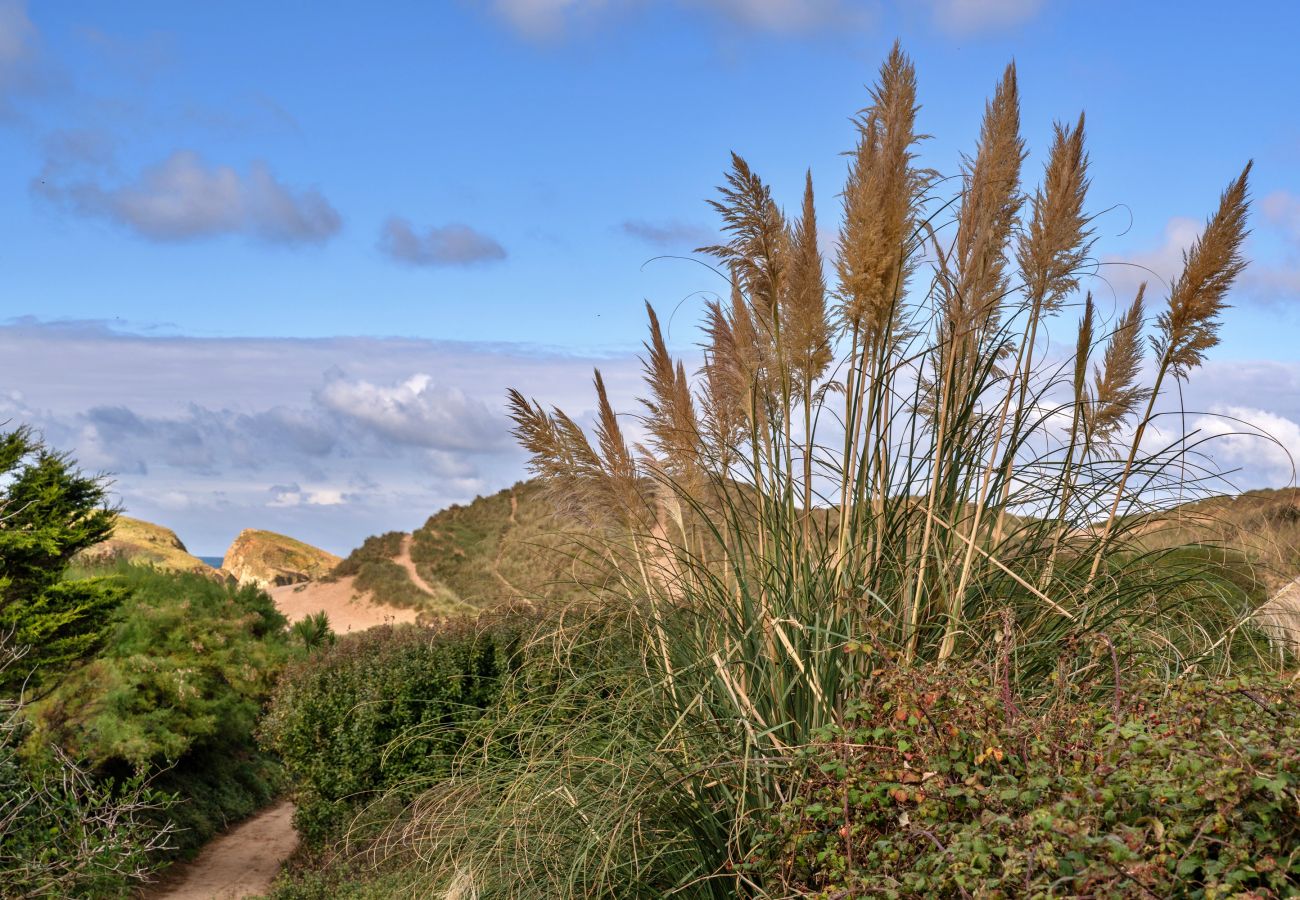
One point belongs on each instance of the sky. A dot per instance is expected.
(275, 265)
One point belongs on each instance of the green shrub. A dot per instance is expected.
(174, 695)
(379, 709)
(64, 833)
(938, 785)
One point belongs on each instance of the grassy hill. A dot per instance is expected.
(1262, 525)
(476, 555)
(137, 541)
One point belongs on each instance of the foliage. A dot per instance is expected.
(49, 510)
(938, 784)
(378, 709)
(313, 631)
(508, 546)
(384, 546)
(174, 694)
(64, 833)
(189, 663)
(377, 573)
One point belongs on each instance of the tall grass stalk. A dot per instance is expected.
(889, 471)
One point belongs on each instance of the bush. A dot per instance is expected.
(379, 709)
(937, 785)
(174, 695)
(62, 832)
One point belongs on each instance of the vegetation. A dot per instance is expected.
(174, 695)
(508, 546)
(513, 545)
(380, 710)
(49, 511)
(143, 543)
(376, 571)
(894, 462)
(64, 833)
(936, 785)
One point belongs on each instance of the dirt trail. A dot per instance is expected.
(240, 863)
(404, 560)
(347, 610)
(1281, 614)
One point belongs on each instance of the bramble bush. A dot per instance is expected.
(380, 709)
(938, 784)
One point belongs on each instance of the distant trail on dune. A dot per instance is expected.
(404, 560)
(240, 863)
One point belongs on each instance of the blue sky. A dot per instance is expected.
(184, 185)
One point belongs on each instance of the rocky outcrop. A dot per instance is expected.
(137, 541)
(268, 559)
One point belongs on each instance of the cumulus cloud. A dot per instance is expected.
(1158, 265)
(448, 245)
(672, 234)
(1255, 440)
(287, 495)
(551, 18)
(184, 198)
(967, 16)
(417, 411)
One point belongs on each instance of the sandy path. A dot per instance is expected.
(240, 863)
(404, 560)
(347, 610)
(1281, 614)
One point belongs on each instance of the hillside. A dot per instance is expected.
(137, 541)
(469, 556)
(269, 560)
(1263, 525)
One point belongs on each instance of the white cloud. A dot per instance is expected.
(290, 495)
(967, 16)
(1158, 265)
(551, 18)
(1261, 443)
(417, 411)
(329, 440)
(184, 197)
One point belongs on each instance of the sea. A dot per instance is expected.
(214, 561)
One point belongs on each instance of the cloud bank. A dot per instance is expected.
(330, 440)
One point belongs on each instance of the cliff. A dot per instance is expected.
(268, 559)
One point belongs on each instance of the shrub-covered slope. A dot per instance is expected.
(138, 541)
(493, 549)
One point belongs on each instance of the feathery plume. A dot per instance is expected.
(880, 202)
(1058, 240)
(1190, 324)
(1116, 393)
(991, 201)
(670, 412)
(758, 250)
(806, 331)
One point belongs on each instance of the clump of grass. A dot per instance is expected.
(890, 463)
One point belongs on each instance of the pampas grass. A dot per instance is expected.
(884, 471)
